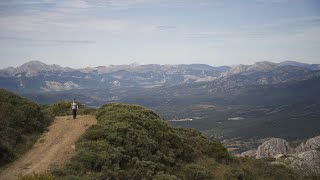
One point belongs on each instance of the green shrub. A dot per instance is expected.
(238, 174)
(219, 152)
(21, 121)
(197, 172)
(163, 176)
(130, 141)
(36, 176)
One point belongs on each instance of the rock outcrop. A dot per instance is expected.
(311, 144)
(250, 153)
(274, 147)
(307, 161)
(305, 157)
(56, 86)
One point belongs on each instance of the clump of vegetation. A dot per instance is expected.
(63, 108)
(130, 141)
(36, 176)
(248, 168)
(21, 121)
(296, 143)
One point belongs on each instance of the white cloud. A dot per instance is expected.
(58, 41)
(285, 27)
(73, 15)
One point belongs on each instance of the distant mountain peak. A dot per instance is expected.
(32, 68)
(265, 63)
(33, 62)
(36, 65)
(258, 66)
(265, 66)
(299, 64)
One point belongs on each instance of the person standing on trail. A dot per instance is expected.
(74, 108)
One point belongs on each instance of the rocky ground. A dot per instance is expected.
(305, 157)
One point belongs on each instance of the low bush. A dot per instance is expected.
(36, 176)
(21, 121)
(130, 141)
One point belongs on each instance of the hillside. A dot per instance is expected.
(52, 150)
(132, 142)
(21, 121)
(286, 110)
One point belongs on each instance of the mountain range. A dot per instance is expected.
(36, 76)
(223, 102)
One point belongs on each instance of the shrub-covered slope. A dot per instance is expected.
(20, 122)
(130, 141)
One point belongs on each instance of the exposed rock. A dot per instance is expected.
(311, 144)
(306, 157)
(272, 148)
(70, 85)
(250, 153)
(279, 156)
(307, 161)
(56, 86)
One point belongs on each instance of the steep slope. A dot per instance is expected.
(52, 150)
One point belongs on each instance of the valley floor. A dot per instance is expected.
(53, 149)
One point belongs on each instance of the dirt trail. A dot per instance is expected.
(53, 148)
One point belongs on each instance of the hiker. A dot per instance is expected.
(74, 108)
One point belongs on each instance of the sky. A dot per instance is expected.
(89, 33)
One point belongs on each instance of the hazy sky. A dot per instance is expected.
(79, 33)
